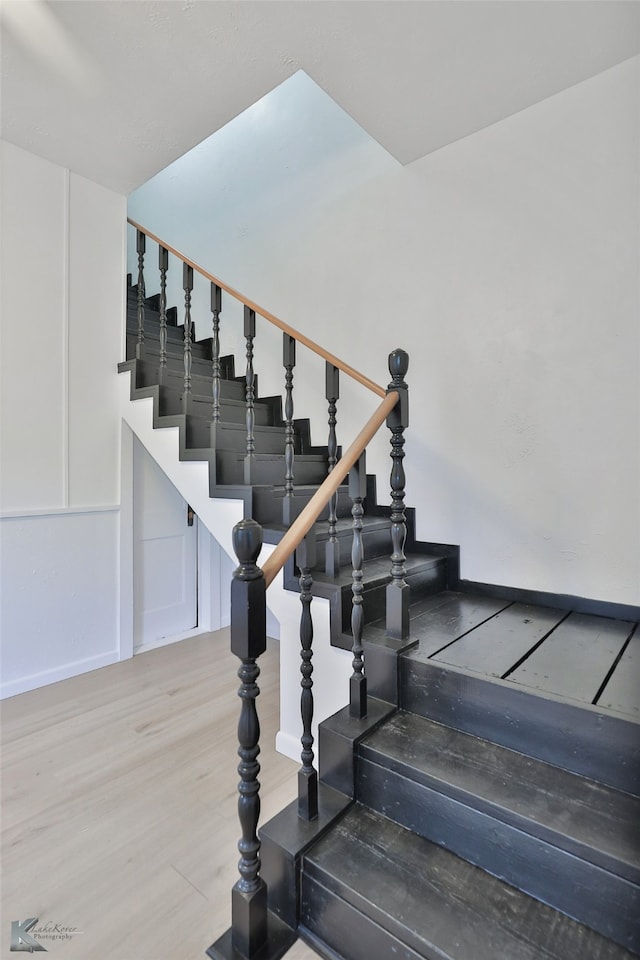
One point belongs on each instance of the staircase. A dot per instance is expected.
(485, 801)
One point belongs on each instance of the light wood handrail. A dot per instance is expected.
(299, 337)
(301, 526)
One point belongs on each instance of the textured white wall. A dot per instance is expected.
(62, 308)
(507, 265)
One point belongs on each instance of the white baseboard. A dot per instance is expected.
(165, 641)
(73, 669)
(288, 745)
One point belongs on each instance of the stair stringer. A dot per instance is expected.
(332, 667)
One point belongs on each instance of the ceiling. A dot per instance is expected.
(115, 91)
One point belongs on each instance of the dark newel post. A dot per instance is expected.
(332, 393)
(216, 307)
(398, 589)
(307, 775)
(187, 283)
(358, 682)
(248, 642)
(140, 247)
(249, 333)
(289, 361)
(163, 264)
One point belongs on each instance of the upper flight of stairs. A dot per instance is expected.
(486, 808)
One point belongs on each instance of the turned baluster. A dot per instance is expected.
(398, 589)
(248, 642)
(307, 775)
(187, 283)
(358, 681)
(249, 333)
(140, 247)
(332, 393)
(289, 362)
(163, 264)
(216, 307)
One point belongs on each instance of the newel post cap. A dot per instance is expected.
(398, 364)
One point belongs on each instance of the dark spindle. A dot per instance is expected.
(216, 307)
(163, 264)
(358, 682)
(332, 393)
(187, 283)
(140, 247)
(249, 333)
(307, 775)
(398, 589)
(248, 642)
(289, 361)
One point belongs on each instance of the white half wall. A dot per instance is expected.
(59, 611)
(62, 327)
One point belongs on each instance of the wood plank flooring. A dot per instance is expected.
(119, 803)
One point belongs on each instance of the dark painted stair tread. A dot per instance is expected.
(586, 818)
(574, 661)
(377, 570)
(438, 905)
(622, 692)
(494, 647)
(438, 621)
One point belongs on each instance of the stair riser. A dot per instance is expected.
(267, 504)
(147, 375)
(581, 889)
(200, 349)
(347, 932)
(234, 412)
(230, 470)
(232, 442)
(376, 543)
(602, 747)
(200, 365)
(175, 331)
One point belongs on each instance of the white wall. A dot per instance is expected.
(507, 265)
(62, 308)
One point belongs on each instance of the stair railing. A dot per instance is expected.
(291, 337)
(255, 931)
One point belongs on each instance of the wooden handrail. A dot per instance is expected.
(299, 337)
(301, 526)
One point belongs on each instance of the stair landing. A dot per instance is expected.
(583, 658)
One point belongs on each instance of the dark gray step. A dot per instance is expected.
(232, 438)
(200, 349)
(452, 675)
(148, 373)
(424, 574)
(267, 502)
(151, 328)
(268, 468)
(231, 411)
(372, 889)
(376, 540)
(568, 841)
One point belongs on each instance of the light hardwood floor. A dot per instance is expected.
(119, 803)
